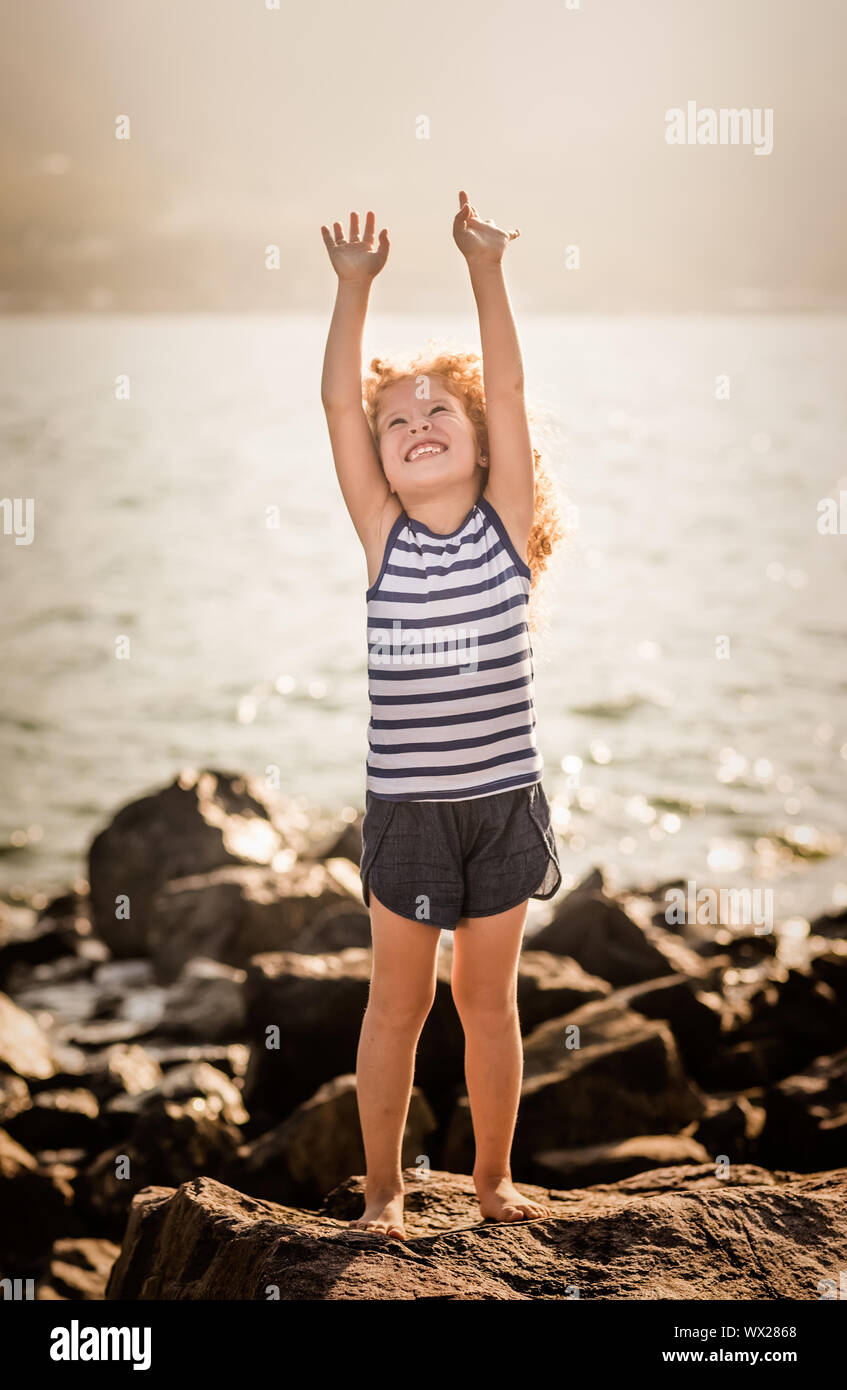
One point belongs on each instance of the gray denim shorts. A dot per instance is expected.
(438, 861)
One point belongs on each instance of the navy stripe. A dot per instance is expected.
(449, 547)
(496, 663)
(456, 619)
(439, 595)
(454, 769)
(482, 638)
(450, 744)
(521, 780)
(438, 696)
(471, 564)
(445, 720)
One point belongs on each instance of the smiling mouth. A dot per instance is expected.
(424, 450)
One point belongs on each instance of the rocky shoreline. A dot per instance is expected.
(177, 1046)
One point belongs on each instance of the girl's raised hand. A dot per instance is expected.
(355, 258)
(479, 240)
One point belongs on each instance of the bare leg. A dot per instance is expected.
(403, 979)
(485, 968)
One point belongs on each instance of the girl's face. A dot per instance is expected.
(426, 444)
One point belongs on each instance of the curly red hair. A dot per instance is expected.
(461, 372)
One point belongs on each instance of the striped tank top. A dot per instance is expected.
(450, 668)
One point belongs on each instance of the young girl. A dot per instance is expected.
(456, 518)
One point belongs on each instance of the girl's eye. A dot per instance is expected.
(398, 421)
(437, 407)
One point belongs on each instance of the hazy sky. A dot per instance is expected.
(251, 125)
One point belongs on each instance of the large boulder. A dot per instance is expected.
(305, 1016)
(631, 1085)
(806, 1124)
(36, 1206)
(202, 821)
(335, 927)
(801, 1008)
(169, 1142)
(60, 1119)
(550, 985)
(206, 1002)
(730, 1128)
(670, 1234)
(234, 913)
(695, 1016)
(619, 1158)
(608, 943)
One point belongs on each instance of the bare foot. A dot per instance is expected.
(383, 1215)
(500, 1200)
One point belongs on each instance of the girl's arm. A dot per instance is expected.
(511, 466)
(363, 483)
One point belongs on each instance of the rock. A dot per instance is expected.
(806, 1124)
(207, 1001)
(202, 821)
(90, 1002)
(168, 1143)
(304, 1015)
(744, 951)
(830, 924)
(608, 1163)
(36, 1207)
(347, 842)
(317, 1004)
(631, 1085)
(831, 967)
(592, 883)
(62, 1118)
(742, 1066)
(230, 1058)
(334, 929)
(607, 943)
(677, 1234)
(550, 1044)
(24, 1046)
(57, 933)
(730, 1128)
(319, 1145)
(695, 1016)
(232, 914)
(14, 1096)
(123, 1068)
(550, 986)
(78, 1269)
(195, 1083)
(788, 1022)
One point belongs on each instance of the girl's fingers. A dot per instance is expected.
(354, 226)
(370, 224)
(339, 233)
(328, 241)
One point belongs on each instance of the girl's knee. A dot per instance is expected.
(485, 1010)
(401, 1012)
